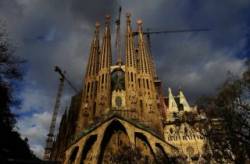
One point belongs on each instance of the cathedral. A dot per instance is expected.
(122, 114)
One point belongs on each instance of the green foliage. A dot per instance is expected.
(231, 103)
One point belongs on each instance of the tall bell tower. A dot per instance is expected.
(104, 75)
(89, 91)
(146, 88)
(131, 70)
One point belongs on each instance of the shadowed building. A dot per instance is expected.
(122, 108)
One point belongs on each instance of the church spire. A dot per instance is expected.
(105, 57)
(144, 58)
(104, 76)
(146, 64)
(172, 105)
(89, 90)
(130, 56)
(131, 68)
(118, 38)
(92, 67)
(184, 101)
(146, 88)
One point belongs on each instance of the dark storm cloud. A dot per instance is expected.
(196, 62)
(93, 10)
(53, 32)
(48, 33)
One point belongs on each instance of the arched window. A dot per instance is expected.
(141, 104)
(147, 84)
(102, 78)
(88, 86)
(185, 129)
(171, 130)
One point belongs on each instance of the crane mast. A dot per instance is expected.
(50, 139)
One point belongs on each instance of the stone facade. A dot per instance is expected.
(123, 107)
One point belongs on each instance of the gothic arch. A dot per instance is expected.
(73, 154)
(143, 138)
(87, 148)
(111, 129)
(162, 157)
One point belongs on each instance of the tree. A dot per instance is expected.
(11, 144)
(8, 71)
(232, 104)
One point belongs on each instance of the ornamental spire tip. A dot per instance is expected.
(128, 14)
(139, 22)
(97, 25)
(108, 17)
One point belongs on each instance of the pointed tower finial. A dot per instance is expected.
(128, 15)
(139, 23)
(108, 17)
(184, 101)
(97, 25)
(172, 106)
(169, 90)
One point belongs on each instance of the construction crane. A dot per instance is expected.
(149, 32)
(50, 139)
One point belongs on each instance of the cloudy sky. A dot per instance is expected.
(58, 32)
